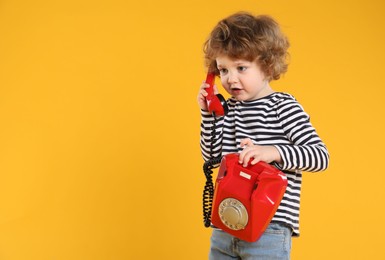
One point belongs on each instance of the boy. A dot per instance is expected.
(247, 52)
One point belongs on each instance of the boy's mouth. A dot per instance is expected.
(236, 90)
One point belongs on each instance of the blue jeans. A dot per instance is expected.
(275, 243)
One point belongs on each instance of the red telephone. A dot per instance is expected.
(246, 198)
(216, 104)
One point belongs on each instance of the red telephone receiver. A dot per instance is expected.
(246, 198)
(216, 104)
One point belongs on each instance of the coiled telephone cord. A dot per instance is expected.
(208, 191)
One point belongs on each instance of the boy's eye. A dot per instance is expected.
(242, 68)
(223, 71)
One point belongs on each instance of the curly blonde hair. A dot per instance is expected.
(252, 38)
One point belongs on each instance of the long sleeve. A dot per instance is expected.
(307, 151)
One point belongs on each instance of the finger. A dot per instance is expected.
(244, 152)
(245, 156)
(246, 142)
(246, 159)
(254, 161)
(251, 158)
(204, 85)
(201, 97)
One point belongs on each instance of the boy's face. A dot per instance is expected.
(242, 79)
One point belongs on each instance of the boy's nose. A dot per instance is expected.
(232, 78)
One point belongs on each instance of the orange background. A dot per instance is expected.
(99, 126)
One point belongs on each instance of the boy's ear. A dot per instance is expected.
(269, 74)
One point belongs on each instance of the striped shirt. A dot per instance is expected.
(278, 120)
